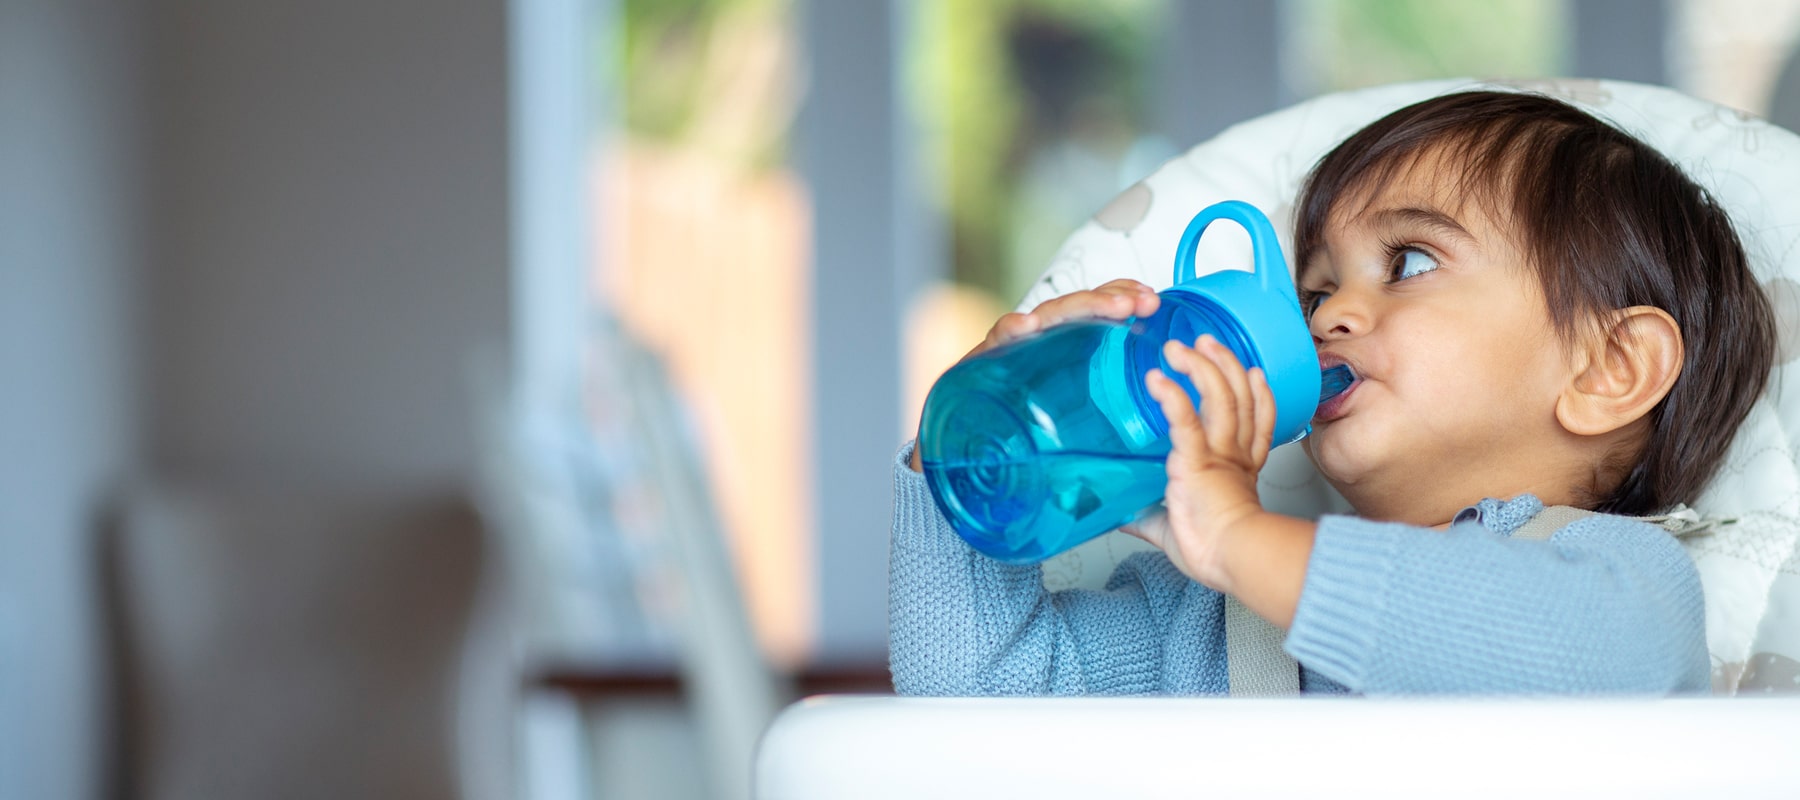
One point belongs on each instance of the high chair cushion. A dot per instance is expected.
(1750, 569)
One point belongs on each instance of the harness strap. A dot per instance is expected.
(1681, 522)
(1257, 665)
(1549, 521)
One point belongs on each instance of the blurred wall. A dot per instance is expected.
(70, 258)
(262, 240)
(331, 212)
(861, 221)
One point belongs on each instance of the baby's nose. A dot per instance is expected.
(1329, 321)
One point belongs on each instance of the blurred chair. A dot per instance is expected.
(286, 645)
(666, 649)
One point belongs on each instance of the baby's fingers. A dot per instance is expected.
(1008, 328)
(1244, 401)
(1265, 417)
(1218, 404)
(1113, 300)
(1186, 439)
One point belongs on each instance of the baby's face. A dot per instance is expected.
(1431, 302)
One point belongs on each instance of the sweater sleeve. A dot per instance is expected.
(1606, 605)
(961, 623)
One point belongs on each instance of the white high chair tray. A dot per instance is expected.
(871, 748)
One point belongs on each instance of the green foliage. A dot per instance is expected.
(661, 62)
(1354, 43)
(667, 58)
(966, 91)
(977, 111)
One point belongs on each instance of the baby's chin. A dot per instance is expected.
(1341, 466)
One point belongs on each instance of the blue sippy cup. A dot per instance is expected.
(1039, 445)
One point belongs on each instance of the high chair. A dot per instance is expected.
(1092, 747)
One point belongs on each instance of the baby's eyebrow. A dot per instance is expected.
(1410, 215)
(1303, 266)
(1427, 217)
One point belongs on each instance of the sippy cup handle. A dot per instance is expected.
(1266, 250)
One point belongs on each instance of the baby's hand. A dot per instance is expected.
(1214, 457)
(1120, 299)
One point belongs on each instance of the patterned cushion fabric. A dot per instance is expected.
(1751, 569)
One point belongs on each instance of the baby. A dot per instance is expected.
(1539, 310)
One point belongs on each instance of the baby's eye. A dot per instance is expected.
(1409, 262)
(1310, 301)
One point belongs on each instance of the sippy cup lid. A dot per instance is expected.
(1260, 312)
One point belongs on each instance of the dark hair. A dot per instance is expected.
(1607, 222)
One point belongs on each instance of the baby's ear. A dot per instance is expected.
(1625, 369)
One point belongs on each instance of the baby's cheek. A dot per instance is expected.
(1454, 384)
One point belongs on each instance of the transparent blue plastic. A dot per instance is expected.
(1037, 446)
(1334, 382)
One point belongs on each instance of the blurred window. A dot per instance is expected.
(1040, 111)
(702, 256)
(1733, 52)
(1349, 44)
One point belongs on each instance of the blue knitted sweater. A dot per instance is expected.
(1607, 604)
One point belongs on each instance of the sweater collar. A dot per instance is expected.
(1501, 516)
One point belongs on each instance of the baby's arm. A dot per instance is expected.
(1215, 528)
(1606, 605)
(961, 623)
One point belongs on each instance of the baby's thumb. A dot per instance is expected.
(1151, 525)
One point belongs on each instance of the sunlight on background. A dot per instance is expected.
(1731, 51)
(704, 256)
